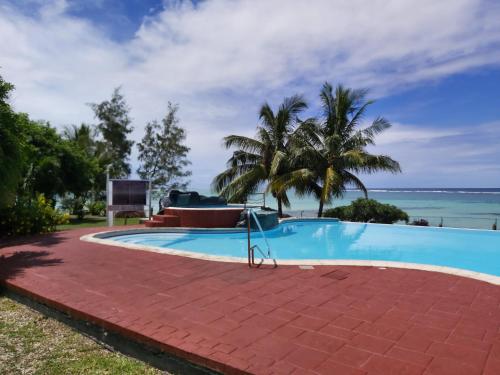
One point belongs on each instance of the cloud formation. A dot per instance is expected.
(221, 59)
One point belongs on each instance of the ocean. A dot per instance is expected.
(456, 207)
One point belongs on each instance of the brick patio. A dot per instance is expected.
(328, 320)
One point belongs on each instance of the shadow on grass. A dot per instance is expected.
(14, 264)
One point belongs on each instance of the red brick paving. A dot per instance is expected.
(328, 320)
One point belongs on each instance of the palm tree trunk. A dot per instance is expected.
(320, 210)
(280, 207)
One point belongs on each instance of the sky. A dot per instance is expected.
(433, 68)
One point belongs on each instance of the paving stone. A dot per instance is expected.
(351, 356)
(380, 365)
(282, 321)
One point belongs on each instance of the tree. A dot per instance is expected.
(326, 157)
(12, 144)
(84, 137)
(114, 125)
(55, 166)
(261, 159)
(368, 211)
(162, 154)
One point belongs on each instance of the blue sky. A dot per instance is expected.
(433, 67)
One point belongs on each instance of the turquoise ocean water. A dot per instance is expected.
(458, 207)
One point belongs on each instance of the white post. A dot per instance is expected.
(109, 198)
(150, 208)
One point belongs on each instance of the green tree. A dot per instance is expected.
(55, 166)
(368, 211)
(163, 154)
(12, 144)
(85, 138)
(261, 159)
(115, 125)
(327, 157)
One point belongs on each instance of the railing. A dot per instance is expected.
(473, 222)
(256, 199)
(459, 221)
(251, 249)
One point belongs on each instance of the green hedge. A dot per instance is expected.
(368, 211)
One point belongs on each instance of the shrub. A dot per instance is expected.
(74, 205)
(97, 208)
(420, 223)
(368, 211)
(30, 216)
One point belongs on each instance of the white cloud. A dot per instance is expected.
(456, 157)
(221, 59)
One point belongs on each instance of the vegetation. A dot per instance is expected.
(11, 148)
(327, 155)
(115, 125)
(86, 139)
(261, 159)
(318, 157)
(163, 155)
(30, 343)
(368, 211)
(90, 221)
(55, 167)
(97, 208)
(40, 166)
(75, 206)
(420, 223)
(30, 216)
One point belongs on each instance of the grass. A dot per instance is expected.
(31, 343)
(94, 221)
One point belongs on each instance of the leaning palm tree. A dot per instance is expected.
(327, 156)
(257, 161)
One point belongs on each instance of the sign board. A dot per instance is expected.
(127, 195)
(130, 192)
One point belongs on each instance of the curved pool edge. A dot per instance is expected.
(105, 235)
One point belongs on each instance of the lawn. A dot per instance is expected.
(31, 343)
(94, 221)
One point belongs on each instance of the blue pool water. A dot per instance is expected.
(475, 250)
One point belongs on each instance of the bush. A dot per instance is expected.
(30, 216)
(97, 208)
(74, 205)
(420, 223)
(368, 211)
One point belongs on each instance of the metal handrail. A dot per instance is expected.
(251, 249)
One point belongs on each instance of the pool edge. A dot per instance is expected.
(92, 237)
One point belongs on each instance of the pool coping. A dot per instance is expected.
(102, 238)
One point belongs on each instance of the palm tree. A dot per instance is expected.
(259, 160)
(326, 157)
(84, 137)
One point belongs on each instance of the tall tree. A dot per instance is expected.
(55, 165)
(11, 147)
(84, 137)
(163, 154)
(115, 125)
(261, 159)
(328, 156)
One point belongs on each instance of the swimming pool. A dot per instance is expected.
(301, 240)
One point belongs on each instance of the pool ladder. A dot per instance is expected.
(252, 248)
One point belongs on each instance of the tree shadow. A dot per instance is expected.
(47, 240)
(14, 264)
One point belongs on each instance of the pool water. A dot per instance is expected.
(475, 250)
